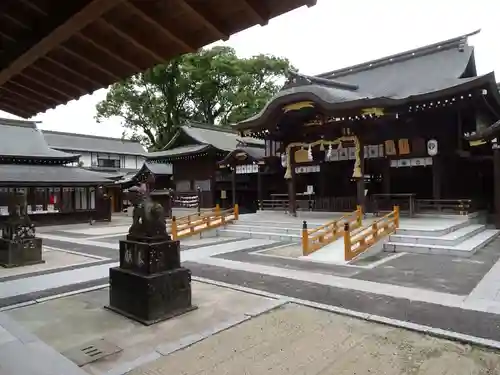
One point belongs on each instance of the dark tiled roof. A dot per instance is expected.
(23, 139)
(92, 143)
(159, 168)
(254, 153)
(40, 174)
(178, 151)
(403, 74)
(224, 139)
(424, 73)
(220, 138)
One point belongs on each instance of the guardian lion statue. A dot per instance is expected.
(148, 217)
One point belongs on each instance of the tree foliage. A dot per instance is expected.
(212, 86)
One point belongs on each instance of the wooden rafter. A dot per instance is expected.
(161, 29)
(89, 62)
(36, 89)
(13, 110)
(62, 33)
(21, 106)
(84, 77)
(216, 30)
(131, 40)
(106, 50)
(57, 78)
(257, 11)
(86, 40)
(36, 78)
(24, 97)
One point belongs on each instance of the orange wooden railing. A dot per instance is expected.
(316, 238)
(196, 223)
(357, 242)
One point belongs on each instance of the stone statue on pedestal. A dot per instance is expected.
(18, 245)
(149, 285)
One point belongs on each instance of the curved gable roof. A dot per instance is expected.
(23, 139)
(92, 143)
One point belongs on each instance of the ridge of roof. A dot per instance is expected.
(79, 135)
(215, 128)
(92, 143)
(20, 123)
(298, 79)
(402, 56)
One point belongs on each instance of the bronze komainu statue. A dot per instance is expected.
(148, 218)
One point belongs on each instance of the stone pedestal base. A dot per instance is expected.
(20, 252)
(152, 298)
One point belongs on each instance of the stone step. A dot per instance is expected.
(228, 232)
(424, 230)
(264, 228)
(282, 224)
(463, 249)
(452, 238)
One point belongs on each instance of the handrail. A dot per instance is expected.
(462, 206)
(184, 226)
(315, 238)
(358, 242)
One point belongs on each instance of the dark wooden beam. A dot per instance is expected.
(79, 20)
(80, 90)
(90, 62)
(39, 89)
(148, 18)
(118, 47)
(56, 77)
(50, 83)
(23, 99)
(260, 15)
(137, 44)
(7, 99)
(202, 18)
(27, 92)
(91, 55)
(13, 110)
(55, 67)
(106, 50)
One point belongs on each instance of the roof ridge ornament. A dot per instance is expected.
(297, 79)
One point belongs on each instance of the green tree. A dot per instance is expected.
(212, 86)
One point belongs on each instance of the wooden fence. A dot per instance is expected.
(357, 242)
(199, 222)
(316, 238)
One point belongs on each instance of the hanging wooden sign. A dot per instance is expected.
(390, 147)
(404, 147)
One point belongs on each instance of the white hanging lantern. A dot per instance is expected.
(309, 153)
(329, 152)
(283, 159)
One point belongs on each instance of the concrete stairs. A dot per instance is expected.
(264, 228)
(460, 239)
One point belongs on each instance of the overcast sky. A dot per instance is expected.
(331, 35)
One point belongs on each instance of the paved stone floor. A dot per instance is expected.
(300, 340)
(443, 295)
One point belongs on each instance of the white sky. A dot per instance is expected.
(331, 35)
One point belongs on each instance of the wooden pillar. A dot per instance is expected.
(259, 188)
(386, 176)
(233, 185)
(496, 185)
(360, 184)
(436, 177)
(292, 203)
